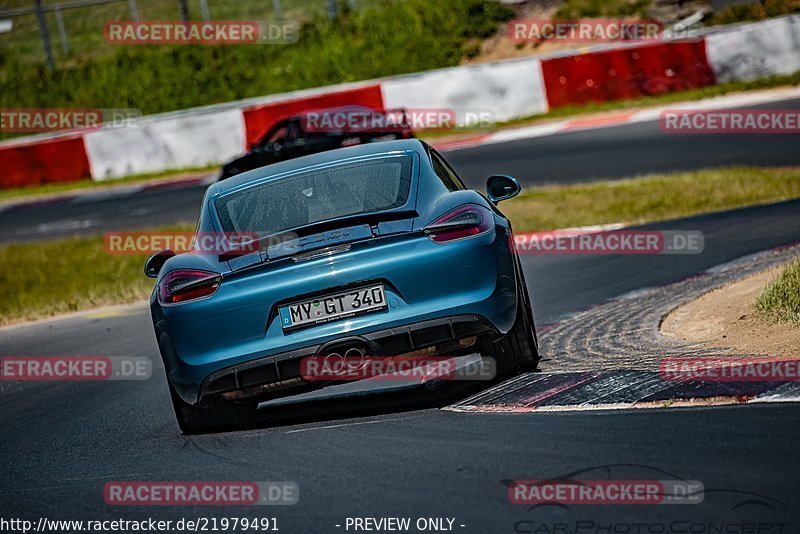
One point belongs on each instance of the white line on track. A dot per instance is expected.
(347, 424)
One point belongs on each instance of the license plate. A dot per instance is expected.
(333, 307)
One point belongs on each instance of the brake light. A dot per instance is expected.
(184, 284)
(464, 221)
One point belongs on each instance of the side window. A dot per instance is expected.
(445, 173)
(294, 132)
(276, 135)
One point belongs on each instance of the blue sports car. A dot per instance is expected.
(377, 250)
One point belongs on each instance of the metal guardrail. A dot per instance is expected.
(58, 7)
(39, 9)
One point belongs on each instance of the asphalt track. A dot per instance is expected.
(603, 153)
(623, 151)
(64, 441)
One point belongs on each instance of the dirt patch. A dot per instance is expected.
(727, 318)
(501, 46)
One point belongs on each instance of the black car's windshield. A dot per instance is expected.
(310, 197)
(277, 135)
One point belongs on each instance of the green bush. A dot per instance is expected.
(576, 9)
(780, 301)
(758, 11)
(392, 37)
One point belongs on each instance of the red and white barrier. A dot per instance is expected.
(756, 50)
(43, 161)
(629, 72)
(155, 144)
(507, 89)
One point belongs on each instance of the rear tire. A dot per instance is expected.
(518, 350)
(213, 414)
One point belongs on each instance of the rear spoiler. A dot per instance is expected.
(265, 242)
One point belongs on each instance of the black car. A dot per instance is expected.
(318, 131)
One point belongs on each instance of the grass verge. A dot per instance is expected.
(780, 301)
(650, 198)
(51, 278)
(68, 275)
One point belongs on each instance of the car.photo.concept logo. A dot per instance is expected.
(621, 499)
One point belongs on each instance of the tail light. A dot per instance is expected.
(465, 221)
(184, 284)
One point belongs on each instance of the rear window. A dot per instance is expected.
(340, 191)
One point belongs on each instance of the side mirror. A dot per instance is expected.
(502, 187)
(155, 262)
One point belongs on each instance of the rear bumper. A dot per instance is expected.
(389, 342)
